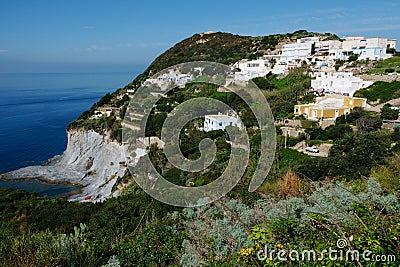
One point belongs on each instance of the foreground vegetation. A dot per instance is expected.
(135, 230)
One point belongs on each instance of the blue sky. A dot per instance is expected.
(90, 36)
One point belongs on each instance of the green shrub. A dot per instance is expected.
(389, 70)
(316, 133)
(389, 114)
(335, 132)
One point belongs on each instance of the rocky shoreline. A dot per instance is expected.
(91, 160)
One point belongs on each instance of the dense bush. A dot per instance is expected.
(338, 131)
(264, 83)
(351, 156)
(396, 134)
(382, 91)
(316, 133)
(389, 114)
(367, 124)
(352, 117)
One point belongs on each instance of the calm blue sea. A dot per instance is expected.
(35, 110)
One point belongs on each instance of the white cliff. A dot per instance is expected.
(91, 160)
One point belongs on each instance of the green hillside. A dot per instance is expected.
(225, 48)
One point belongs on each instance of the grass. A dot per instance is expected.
(290, 158)
(388, 175)
(385, 66)
(307, 124)
(280, 84)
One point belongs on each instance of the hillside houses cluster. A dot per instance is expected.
(319, 53)
(312, 47)
(337, 88)
(171, 77)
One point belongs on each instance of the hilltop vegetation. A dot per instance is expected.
(225, 48)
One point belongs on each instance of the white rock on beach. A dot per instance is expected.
(91, 160)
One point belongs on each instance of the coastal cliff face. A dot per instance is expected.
(91, 160)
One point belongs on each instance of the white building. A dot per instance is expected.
(250, 69)
(219, 122)
(310, 47)
(280, 68)
(366, 48)
(303, 48)
(325, 48)
(166, 79)
(343, 83)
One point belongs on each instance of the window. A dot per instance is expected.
(297, 110)
(220, 124)
(230, 123)
(253, 65)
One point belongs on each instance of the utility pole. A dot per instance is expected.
(286, 133)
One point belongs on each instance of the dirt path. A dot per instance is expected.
(377, 108)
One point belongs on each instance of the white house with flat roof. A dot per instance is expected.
(366, 48)
(250, 69)
(325, 48)
(300, 50)
(343, 83)
(219, 122)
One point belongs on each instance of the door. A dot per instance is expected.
(314, 113)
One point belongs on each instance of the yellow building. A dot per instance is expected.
(329, 107)
(353, 102)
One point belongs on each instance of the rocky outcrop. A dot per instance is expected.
(91, 160)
